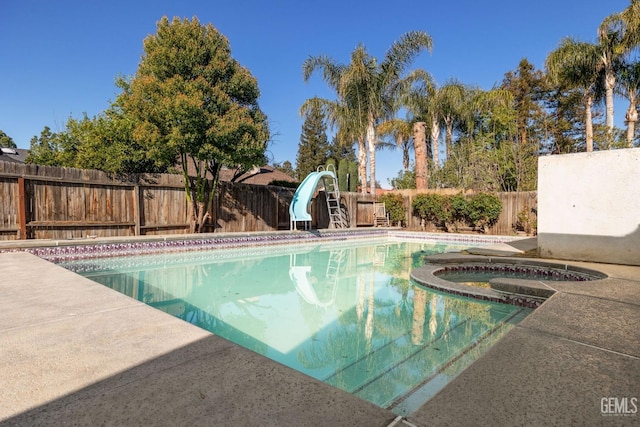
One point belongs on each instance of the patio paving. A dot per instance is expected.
(75, 352)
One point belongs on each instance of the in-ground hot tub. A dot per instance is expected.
(520, 281)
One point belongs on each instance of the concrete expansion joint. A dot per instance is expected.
(601, 298)
(400, 421)
(546, 285)
(600, 348)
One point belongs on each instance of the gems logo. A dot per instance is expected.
(619, 406)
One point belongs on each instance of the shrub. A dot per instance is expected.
(459, 208)
(432, 207)
(525, 221)
(394, 205)
(484, 210)
(479, 211)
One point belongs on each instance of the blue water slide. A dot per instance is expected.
(299, 208)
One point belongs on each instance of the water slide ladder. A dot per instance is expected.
(337, 216)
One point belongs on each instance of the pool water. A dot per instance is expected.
(346, 313)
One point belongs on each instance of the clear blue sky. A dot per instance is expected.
(61, 58)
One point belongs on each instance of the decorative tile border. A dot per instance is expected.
(532, 272)
(59, 251)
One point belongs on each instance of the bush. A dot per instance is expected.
(479, 211)
(459, 208)
(432, 207)
(484, 210)
(394, 205)
(525, 221)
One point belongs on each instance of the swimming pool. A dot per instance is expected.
(344, 312)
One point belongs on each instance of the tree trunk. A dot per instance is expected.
(435, 135)
(405, 152)
(192, 215)
(631, 118)
(371, 142)
(588, 123)
(420, 147)
(448, 121)
(610, 82)
(362, 165)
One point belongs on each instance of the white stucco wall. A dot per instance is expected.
(589, 206)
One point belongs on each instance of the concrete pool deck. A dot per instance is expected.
(76, 352)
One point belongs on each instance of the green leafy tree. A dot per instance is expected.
(192, 104)
(353, 177)
(52, 149)
(106, 143)
(285, 167)
(313, 149)
(6, 141)
(339, 151)
(405, 180)
(343, 175)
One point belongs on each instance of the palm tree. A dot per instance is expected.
(629, 87)
(629, 21)
(420, 146)
(349, 127)
(574, 64)
(400, 131)
(368, 89)
(612, 50)
(451, 100)
(417, 95)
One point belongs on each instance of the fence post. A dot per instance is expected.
(22, 210)
(136, 210)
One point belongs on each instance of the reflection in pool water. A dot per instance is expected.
(345, 313)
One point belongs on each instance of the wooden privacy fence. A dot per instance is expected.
(44, 202)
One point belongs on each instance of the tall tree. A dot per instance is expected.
(451, 100)
(629, 87)
(420, 146)
(193, 104)
(313, 149)
(43, 149)
(401, 132)
(565, 121)
(527, 86)
(418, 94)
(630, 21)
(53, 149)
(6, 141)
(611, 53)
(574, 64)
(369, 87)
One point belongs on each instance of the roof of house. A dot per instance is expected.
(17, 155)
(259, 175)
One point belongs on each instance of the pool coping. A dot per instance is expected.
(259, 391)
(528, 293)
